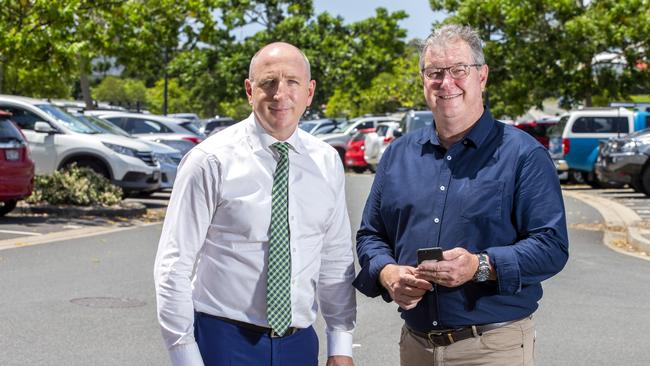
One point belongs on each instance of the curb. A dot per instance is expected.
(620, 223)
(124, 209)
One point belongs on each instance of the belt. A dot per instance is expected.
(444, 338)
(256, 328)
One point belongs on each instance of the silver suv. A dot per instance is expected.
(57, 140)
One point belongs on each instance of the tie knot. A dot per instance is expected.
(282, 148)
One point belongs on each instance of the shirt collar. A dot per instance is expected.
(261, 140)
(476, 135)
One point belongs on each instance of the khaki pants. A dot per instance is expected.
(510, 345)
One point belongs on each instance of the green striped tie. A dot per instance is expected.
(278, 284)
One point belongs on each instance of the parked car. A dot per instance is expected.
(318, 126)
(412, 121)
(354, 154)
(190, 117)
(539, 128)
(16, 166)
(57, 140)
(167, 157)
(178, 134)
(582, 131)
(340, 136)
(215, 125)
(376, 142)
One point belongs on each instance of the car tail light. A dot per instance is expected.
(388, 139)
(196, 140)
(565, 146)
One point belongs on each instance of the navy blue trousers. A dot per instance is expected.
(225, 344)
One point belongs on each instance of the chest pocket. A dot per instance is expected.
(482, 200)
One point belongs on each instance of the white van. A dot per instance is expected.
(57, 139)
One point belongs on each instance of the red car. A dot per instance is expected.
(16, 167)
(539, 128)
(354, 154)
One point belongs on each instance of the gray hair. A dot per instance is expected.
(253, 59)
(450, 33)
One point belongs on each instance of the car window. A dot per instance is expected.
(364, 125)
(600, 125)
(558, 129)
(190, 126)
(137, 125)
(307, 126)
(8, 131)
(420, 120)
(66, 119)
(328, 128)
(381, 130)
(23, 118)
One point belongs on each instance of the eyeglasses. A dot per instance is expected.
(457, 72)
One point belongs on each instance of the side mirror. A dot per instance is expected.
(397, 133)
(44, 127)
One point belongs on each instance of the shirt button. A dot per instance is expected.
(435, 323)
(436, 220)
(442, 188)
(293, 282)
(465, 142)
(448, 157)
(293, 250)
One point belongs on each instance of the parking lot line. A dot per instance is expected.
(20, 232)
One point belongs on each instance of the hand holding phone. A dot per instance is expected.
(425, 254)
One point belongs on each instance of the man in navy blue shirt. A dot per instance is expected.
(485, 192)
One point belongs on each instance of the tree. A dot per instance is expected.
(123, 92)
(547, 48)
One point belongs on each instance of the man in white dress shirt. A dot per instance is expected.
(212, 264)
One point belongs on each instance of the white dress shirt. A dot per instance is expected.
(218, 220)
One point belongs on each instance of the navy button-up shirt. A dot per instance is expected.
(495, 191)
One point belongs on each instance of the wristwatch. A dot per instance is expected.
(483, 271)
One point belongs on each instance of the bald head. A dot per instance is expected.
(274, 50)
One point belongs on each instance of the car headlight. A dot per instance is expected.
(121, 149)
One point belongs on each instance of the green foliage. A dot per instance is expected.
(178, 98)
(78, 186)
(542, 48)
(122, 92)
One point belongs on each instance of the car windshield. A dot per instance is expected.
(343, 127)
(421, 120)
(102, 126)
(307, 126)
(8, 131)
(66, 119)
(191, 127)
(556, 130)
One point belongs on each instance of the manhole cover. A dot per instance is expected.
(108, 302)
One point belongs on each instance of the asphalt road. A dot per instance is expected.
(90, 301)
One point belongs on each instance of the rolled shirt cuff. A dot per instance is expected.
(186, 355)
(339, 343)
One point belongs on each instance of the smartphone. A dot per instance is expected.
(425, 254)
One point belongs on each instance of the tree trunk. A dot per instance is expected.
(85, 83)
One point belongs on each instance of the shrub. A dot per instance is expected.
(78, 186)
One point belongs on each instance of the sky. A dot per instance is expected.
(418, 24)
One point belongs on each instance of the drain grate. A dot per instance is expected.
(108, 302)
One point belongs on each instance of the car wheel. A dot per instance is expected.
(645, 181)
(577, 177)
(7, 206)
(636, 184)
(359, 169)
(372, 168)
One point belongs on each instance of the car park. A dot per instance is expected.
(167, 157)
(318, 126)
(377, 141)
(343, 133)
(178, 134)
(16, 166)
(58, 140)
(354, 154)
(538, 128)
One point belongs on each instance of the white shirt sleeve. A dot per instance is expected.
(335, 292)
(191, 207)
